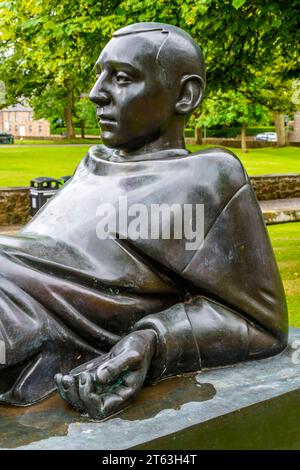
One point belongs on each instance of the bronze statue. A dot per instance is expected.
(104, 315)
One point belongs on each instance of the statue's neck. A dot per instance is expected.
(171, 139)
(151, 155)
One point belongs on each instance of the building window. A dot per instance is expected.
(40, 129)
(30, 129)
(16, 128)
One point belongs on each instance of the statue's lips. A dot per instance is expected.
(106, 121)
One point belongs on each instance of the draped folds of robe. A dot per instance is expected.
(68, 295)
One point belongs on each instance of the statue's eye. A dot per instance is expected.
(122, 78)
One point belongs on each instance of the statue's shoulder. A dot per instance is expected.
(96, 156)
(100, 151)
(219, 162)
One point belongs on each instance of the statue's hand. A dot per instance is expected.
(102, 390)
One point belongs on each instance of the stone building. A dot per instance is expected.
(18, 121)
(294, 136)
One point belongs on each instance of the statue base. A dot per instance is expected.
(253, 405)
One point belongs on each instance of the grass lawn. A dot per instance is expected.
(267, 160)
(56, 142)
(19, 165)
(286, 243)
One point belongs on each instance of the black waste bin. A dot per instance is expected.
(41, 190)
(64, 179)
(6, 138)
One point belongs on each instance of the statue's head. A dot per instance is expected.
(150, 77)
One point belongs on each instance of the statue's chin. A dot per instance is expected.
(109, 139)
(124, 143)
(115, 142)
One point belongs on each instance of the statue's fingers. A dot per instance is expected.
(85, 386)
(93, 401)
(124, 392)
(115, 367)
(133, 381)
(67, 388)
(119, 399)
(90, 365)
(112, 403)
(58, 379)
(64, 383)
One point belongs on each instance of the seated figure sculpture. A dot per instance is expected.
(98, 317)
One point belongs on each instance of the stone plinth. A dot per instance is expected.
(254, 405)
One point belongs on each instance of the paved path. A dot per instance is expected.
(9, 229)
(277, 211)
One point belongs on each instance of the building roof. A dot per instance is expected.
(17, 107)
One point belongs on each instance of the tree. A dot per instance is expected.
(232, 33)
(251, 47)
(52, 44)
(56, 43)
(275, 93)
(232, 108)
(85, 115)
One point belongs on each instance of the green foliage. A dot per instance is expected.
(48, 49)
(49, 104)
(232, 34)
(231, 132)
(189, 132)
(238, 3)
(84, 111)
(231, 108)
(62, 130)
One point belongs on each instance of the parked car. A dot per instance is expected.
(6, 138)
(267, 136)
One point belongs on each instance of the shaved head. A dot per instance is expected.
(176, 51)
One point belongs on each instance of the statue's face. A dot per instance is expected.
(134, 106)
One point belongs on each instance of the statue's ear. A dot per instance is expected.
(192, 89)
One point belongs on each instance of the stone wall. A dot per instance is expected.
(14, 206)
(276, 186)
(15, 203)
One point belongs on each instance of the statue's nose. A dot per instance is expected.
(100, 98)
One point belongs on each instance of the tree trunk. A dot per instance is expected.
(198, 135)
(280, 129)
(69, 112)
(82, 128)
(243, 139)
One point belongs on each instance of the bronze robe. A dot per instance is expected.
(67, 296)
